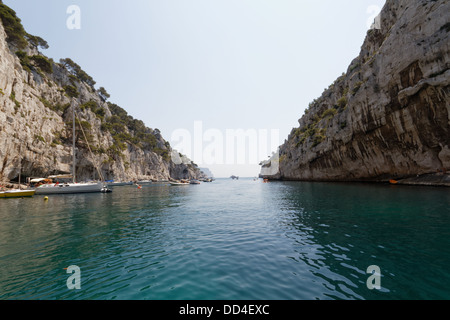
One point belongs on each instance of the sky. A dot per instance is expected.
(225, 81)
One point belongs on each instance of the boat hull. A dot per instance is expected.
(70, 188)
(119, 184)
(144, 182)
(17, 193)
(178, 184)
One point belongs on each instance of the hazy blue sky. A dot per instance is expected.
(231, 64)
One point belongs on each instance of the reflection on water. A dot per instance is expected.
(229, 240)
(349, 227)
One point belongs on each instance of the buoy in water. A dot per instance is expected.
(45, 198)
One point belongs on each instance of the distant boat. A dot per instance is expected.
(144, 182)
(117, 184)
(17, 193)
(194, 182)
(179, 183)
(392, 181)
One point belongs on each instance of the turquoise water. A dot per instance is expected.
(229, 240)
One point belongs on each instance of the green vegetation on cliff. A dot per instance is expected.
(76, 70)
(124, 128)
(16, 34)
(42, 95)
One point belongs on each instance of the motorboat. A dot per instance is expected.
(145, 182)
(17, 193)
(112, 183)
(179, 183)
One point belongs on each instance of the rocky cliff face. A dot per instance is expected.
(388, 116)
(36, 102)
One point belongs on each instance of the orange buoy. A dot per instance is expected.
(393, 181)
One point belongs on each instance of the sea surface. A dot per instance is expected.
(229, 240)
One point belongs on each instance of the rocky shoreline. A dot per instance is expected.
(430, 179)
(9, 186)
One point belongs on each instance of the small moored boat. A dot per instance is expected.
(179, 183)
(112, 183)
(16, 193)
(145, 182)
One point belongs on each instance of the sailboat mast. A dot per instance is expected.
(73, 142)
(20, 166)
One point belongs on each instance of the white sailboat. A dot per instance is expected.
(74, 187)
(67, 188)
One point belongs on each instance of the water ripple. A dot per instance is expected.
(229, 240)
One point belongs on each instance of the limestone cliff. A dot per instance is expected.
(37, 96)
(388, 116)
